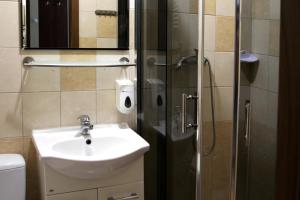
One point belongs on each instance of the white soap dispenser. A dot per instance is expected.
(125, 101)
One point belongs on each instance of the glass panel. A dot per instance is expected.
(168, 69)
(257, 134)
(182, 77)
(153, 100)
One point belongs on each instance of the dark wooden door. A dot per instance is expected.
(53, 23)
(288, 162)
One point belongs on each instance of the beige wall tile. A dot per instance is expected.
(132, 29)
(210, 7)
(224, 68)
(275, 9)
(246, 34)
(107, 5)
(259, 100)
(46, 79)
(206, 105)
(106, 108)
(209, 33)
(11, 115)
(107, 27)
(260, 36)
(177, 6)
(260, 9)
(183, 39)
(74, 104)
(78, 79)
(77, 56)
(87, 42)
(10, 67)
(206, 76)
(40, 110)
(9, 37)
(246, 10)
(87, 5)
(224, 139)
(11, 146)
(261, 73)
(224, 103)
(194, 5)
(274, 38)
(272, 110)
(107, 43)
(273, 74)
(224, 34)
(87, 24)
(225, 7)
(106, 77)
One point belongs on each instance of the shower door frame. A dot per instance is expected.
(199, 132)
(236, 99)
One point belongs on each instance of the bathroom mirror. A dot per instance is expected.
(75, 24)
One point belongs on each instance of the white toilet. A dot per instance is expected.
(12, 177)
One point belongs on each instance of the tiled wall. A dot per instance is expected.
(97, 31)
(34, 98)
(219, 29)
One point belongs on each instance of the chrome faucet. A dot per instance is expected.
(86, 125)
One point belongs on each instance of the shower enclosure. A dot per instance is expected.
(208, 112)
(258, 72)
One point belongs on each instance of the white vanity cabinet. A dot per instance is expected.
(133, 191)
(81, 195)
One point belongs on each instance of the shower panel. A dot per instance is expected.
(256, 126)
(168, 104)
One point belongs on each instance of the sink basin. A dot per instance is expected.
(113, 147)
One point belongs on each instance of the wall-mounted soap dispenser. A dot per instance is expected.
(125, 100)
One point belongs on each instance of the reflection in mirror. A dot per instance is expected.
(76, 24)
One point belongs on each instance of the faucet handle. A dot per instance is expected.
(84, 119)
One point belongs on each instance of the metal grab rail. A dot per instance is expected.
(30, 62)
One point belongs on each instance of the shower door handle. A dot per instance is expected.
(247, 121)
(184, 124)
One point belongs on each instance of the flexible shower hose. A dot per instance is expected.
(211, 149)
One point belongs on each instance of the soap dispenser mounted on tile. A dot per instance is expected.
(125, 101)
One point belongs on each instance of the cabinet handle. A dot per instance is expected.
(131, 197)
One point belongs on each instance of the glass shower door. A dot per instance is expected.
(182, 102)
(168, 98)
(258, 96)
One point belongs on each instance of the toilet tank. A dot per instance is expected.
(12, 177)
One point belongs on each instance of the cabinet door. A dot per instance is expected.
(133, 191)
(81, 195)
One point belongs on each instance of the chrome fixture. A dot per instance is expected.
(185, 59)
(86, 125)
(247, 122)
(30, 62)
(184, 124)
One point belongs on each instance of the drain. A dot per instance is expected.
(88, 141)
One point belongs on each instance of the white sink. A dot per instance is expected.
(113, 147)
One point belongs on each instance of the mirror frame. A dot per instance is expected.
(24, 32)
